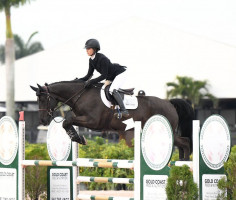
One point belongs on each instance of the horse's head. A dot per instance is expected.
(46, 102)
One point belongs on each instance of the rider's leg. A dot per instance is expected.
(119, 81)
(116, 84)
(119, 100)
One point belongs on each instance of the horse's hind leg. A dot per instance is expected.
(183, 144)
(127, 136)
(181, 153)
(72, 133)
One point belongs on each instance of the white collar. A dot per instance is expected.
(93, 56)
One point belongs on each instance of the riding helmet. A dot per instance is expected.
(92, 43)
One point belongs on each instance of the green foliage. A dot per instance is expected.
(9, 3)
(104, 150)
(36, 176)
(175, 155)
(180, 184)
(189, 89)
(228, 187)
(22, 49)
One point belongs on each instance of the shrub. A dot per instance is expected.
(36, 176)
(228, 186)
(104, 150)
(180, 184)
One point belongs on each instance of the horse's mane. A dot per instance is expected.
(99, 85)
(64, 82)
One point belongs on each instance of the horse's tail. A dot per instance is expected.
(186, 117)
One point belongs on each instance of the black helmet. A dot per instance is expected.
(141, 93)
(92, 43)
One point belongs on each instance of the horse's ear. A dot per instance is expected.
(34, 88)
(40, 87)
(46, 84)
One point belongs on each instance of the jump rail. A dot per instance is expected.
(104, 180)
(78, 164)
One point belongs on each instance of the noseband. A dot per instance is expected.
(48, 109)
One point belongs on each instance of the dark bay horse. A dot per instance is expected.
(90, 112)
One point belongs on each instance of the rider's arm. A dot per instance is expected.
(89, 74)
(104, 65)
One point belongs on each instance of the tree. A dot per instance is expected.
(10, 54)
(189, 89)
(22, 49)
(180, 184)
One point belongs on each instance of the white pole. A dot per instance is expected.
(137, 152)
(74, 169)
(77, 186)
(196, 130)
(21, 157)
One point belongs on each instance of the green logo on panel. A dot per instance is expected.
(157, 142)
(215, 142)
(8, 140)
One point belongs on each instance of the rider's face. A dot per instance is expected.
(90, 51)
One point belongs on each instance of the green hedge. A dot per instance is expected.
(228, 186)
(180, 184)
(100, 148)
(36, 176)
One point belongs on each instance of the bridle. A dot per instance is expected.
(49, 110)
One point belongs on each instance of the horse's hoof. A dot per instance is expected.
(83, 140)
(79, 139)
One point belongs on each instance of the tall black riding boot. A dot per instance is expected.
(119, 100)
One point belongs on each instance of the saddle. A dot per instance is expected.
(122, 92)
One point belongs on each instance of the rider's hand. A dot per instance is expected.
(107, 82)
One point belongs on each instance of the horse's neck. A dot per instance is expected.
(71, 92)
(63, 92)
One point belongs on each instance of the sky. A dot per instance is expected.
(59, 21)
(64, 22)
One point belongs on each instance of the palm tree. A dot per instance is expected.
(22, 49)
(189, 89)
(10, 54)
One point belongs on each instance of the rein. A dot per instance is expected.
(50, 111)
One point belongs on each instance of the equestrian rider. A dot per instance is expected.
(114, 73)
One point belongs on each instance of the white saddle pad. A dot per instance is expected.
(130, 101)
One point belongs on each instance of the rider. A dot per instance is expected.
(109, 72)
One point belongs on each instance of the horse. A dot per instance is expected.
(89, 111)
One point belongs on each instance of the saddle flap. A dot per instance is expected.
(130, 101)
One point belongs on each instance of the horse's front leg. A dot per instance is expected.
(72, 133)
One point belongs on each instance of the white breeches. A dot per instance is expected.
(118, 81)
